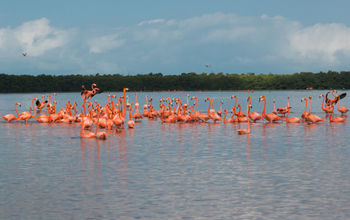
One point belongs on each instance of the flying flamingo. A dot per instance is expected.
(10, 117)
(271, 117)
(336, 119)
(293, 119)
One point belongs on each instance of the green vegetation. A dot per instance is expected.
(184, 81)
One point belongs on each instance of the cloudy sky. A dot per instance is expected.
(171, 37)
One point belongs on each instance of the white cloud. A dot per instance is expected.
(36, 37)
(104, 43)
(155, 21)
(320, 42)
(229, 42)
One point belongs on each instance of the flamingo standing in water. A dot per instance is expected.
(271, 117)
(89, 134)
(326, 109)
(131, 123)
(27, 115)
(11, 117)
(245, 131)
(230, 120)
(305, 114)
(274, 107)
(310, 117)
(211, 112)
(219, 112)
(336, 97)
(137, 114)
(241, 118)
(283, 110)
(342, 109)
(100, 135)
(239, 114)
(336, 119)
(293, 119)
(254, 116)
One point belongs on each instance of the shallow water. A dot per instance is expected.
(176, 171)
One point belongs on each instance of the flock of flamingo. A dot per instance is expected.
(171, 110)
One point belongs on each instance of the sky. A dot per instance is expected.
(172, 37)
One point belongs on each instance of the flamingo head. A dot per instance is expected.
(261, 98)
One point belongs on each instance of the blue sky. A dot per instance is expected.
(131, 37)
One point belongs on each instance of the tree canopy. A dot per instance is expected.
(184, 81)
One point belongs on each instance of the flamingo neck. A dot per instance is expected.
(287, 115)
(133, 107)
(98, 119)
(33, 108)
(310, 106)
(263, 112)
(330, 115)
(124, 111)
(209, 105)
(16, 110)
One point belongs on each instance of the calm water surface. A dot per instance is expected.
(176, 171)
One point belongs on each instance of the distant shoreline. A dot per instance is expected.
(10, 83)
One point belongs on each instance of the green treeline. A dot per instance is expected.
(184, 81)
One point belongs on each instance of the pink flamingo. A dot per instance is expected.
(11, 117)
(293, 119)
(336, 119)
(254, 116)
(270, 116)
(310, 117)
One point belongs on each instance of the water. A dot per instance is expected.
(176, 171)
